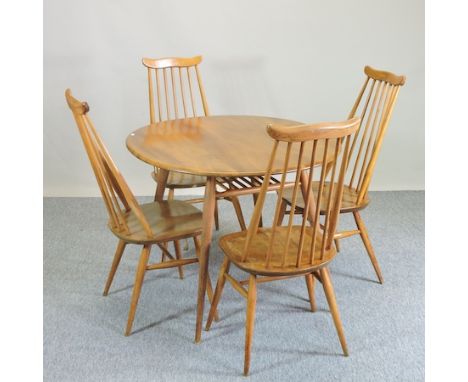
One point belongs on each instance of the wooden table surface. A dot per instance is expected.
(212, 146)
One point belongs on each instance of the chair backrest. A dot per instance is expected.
(374, 105)
(318, 144)
(170, 83)
(117, 196)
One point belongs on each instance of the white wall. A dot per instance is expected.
(301, 60)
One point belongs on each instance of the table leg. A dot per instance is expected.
(161, 180)
(161, 184)
(208, 219)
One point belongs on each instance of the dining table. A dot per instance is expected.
(231, 151)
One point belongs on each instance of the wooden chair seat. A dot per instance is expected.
(348, 204)
(233, 246)
(182, 180)
(169, 220)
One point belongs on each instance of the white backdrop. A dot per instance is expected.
(301, 60)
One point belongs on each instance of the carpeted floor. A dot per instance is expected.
(83, 331)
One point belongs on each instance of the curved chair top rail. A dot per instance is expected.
(170, 62)
(382, 75)
(323, 130)
(76, 106)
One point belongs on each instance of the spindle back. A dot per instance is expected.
(171, 83)
(374, 105)
(116, 194)
(295, 246)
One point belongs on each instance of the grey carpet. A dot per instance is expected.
(83, 331)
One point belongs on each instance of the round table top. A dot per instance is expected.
(213, 145)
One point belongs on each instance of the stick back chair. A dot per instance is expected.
(176, 91)
(155, 223)
(374, 105)
(303, 249)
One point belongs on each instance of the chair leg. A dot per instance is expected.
(156, 194)
(178, 257)
(337, 244)
(216, 217)
(170, 196)
(310, 281)
(282, 212)
(249, 324)
(140, 274)
(255, 197)
(115, 264)
(209, 287)
(218, 291)
(365, 239)
(330, 294)
(240, 216)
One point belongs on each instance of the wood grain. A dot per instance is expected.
(214, 145)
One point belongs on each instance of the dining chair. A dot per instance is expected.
(374, 105)
(171, 83)
(155, 223)
(305, 249)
